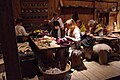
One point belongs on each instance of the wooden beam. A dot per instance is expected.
(80, 10)
(8, 41)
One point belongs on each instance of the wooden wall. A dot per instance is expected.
(118, 16)
(16, 9)
(87, 9)
(91, 9)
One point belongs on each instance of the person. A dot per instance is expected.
(57, 18)
(75, 16)
(81, 27)
(73, 33)
(19, 29)
(21, 33)
(55, 32)
(95, 28)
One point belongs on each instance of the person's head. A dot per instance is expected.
(79, 23)
(55, 15)
(19, 21)
(75, 16)
(70, 24)
(91, 23)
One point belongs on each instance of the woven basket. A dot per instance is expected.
(56, 76)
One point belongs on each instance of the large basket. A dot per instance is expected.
(56, 76)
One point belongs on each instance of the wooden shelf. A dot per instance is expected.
(34, 12)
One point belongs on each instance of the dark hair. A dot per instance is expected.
(18, 20)
(55, 14)
(75, 16)
(56, 23)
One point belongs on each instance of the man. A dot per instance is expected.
(81, 27)
(20, 31)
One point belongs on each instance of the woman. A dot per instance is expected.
(95, 28)
(55, 32)
(57, 18)
(73, 32)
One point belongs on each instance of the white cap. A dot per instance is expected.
(91, 22)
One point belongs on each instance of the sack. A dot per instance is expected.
(76, 58)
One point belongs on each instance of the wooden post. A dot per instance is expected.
(8, 41)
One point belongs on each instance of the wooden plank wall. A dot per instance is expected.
(78, 3)
(118, 16)
(16, 9)
(87, 7)
(101, 6)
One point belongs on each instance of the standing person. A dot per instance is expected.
(55, 32)
(57, 18)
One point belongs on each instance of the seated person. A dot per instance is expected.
(73, 35)
(95, 29)
(81, 26)
(55, 32)
(73, 32)
(20, 31)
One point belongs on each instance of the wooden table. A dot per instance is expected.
(50, 56)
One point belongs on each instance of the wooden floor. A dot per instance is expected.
(92, 71)
(95, 71)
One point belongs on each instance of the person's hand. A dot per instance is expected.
(91, 35)
(87, 33)
(66, 36)
(30, 33)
